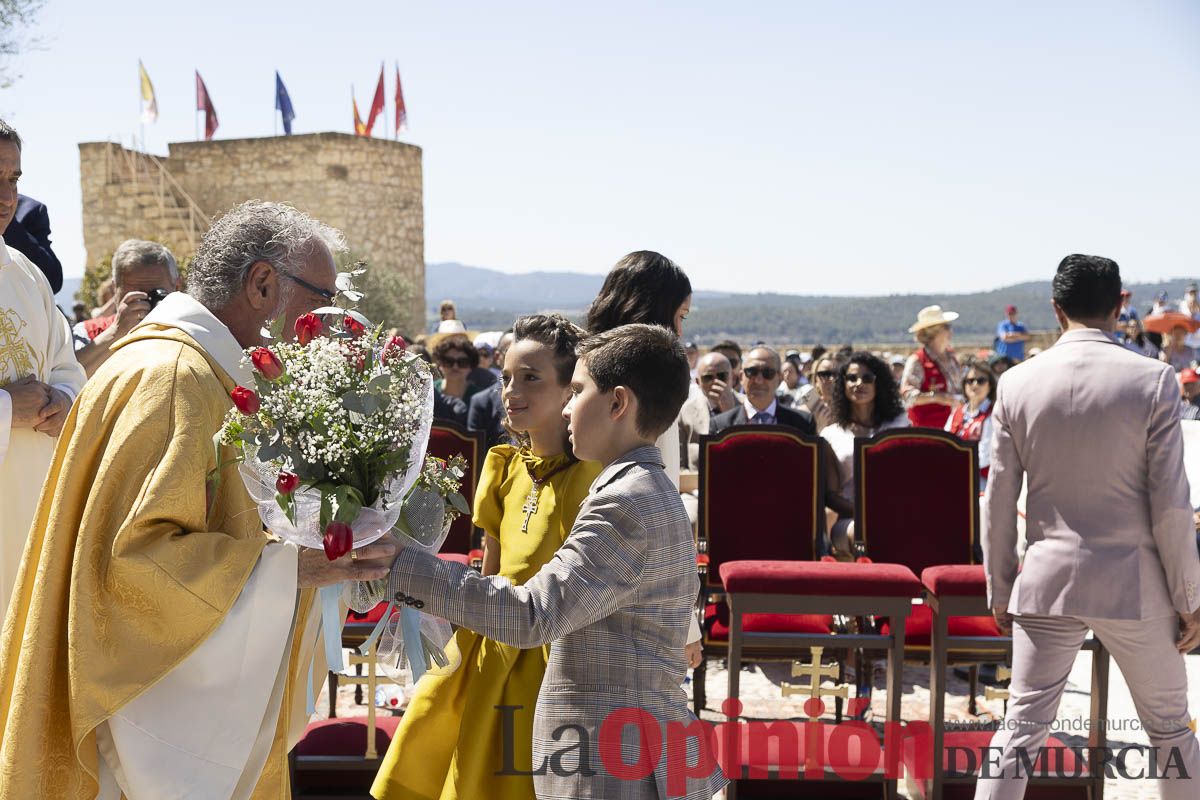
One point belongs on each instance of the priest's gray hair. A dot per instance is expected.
(135, 253)
(254, 231)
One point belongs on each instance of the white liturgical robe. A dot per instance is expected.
(35, 339)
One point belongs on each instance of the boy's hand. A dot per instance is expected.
(694, 653)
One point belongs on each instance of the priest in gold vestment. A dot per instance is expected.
(159, 643)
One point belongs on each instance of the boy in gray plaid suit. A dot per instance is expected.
(614, 601)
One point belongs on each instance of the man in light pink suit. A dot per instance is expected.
(1112, 547)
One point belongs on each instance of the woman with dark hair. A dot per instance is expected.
(646, 287)
(455, 357)
(865, 401)
(972, 421)
(649, 288)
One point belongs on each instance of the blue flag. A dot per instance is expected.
(283, 104)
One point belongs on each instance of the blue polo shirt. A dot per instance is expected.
(1014, 350)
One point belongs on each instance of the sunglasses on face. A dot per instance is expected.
(768, 373)
(863, 377)
(976, 381)
(462, 362)
(718, 376)
(827, 374)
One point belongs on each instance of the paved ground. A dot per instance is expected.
(760, 693)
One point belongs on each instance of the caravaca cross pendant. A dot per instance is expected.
(531, 505)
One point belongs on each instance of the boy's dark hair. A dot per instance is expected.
(1087, 287)
(888, 404)
(644, 286)
(649, 361)
(818, 351)
(556, 332)
(9, 134)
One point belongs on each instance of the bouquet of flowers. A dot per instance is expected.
(333, 434)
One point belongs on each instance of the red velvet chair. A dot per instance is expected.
(761, 498)
(779, 600)
(446, 440)
(918, 504)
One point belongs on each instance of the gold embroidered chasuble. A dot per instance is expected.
(134, 562)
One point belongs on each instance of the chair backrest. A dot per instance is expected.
(447, 439)
(917, 498)
(761, 496)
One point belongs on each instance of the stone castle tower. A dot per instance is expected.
(370, 189)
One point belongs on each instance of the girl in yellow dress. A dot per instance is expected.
(453, 740)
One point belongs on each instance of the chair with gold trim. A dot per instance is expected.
(780, 602)
(760, 499)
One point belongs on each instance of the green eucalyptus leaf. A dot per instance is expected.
(326, 509)
(460, 504)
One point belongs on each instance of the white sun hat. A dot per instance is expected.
(932, 316)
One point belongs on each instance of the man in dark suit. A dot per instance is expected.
(29, 232)
(761, 376)
(486, 413)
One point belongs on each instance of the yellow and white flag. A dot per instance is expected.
(149, 104)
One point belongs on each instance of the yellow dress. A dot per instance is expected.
(450, 743)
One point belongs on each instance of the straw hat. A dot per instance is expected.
(932, 316)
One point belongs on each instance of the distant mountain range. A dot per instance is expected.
(488, 299)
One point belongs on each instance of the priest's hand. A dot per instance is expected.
(369, 563)
(1189, 632)
(1004, 620)
(30, 398)
(56, 411)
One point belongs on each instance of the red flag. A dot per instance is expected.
(401, 111)
(204, 103)
(376, 104)
(359, 128)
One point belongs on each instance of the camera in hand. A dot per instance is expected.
(156, 297)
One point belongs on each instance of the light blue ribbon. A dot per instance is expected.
(332, 621)
(365, 648)
(410, 625)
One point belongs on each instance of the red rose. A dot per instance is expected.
(352, 325)
(307, 327)
(339, 540)
(246, 401)
(267, 363)
(287, 482)
(394, 347)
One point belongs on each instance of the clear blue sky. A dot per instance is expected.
(808, 147)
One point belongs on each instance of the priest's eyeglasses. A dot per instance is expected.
(317, 290)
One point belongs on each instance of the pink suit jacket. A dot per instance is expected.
(1095, 428)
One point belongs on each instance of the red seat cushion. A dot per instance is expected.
(820, 578)
(716, 622)
(458, 558)
(345, 736)
(369, 618)
(955, 580)
(920, 622)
